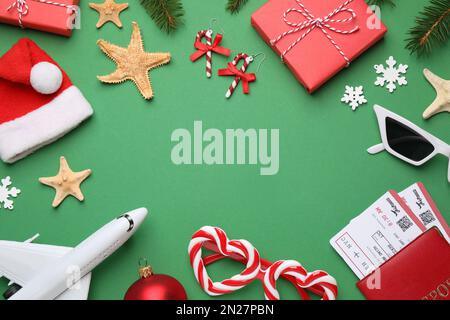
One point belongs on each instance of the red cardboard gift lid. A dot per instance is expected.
(314, 59)
(54, 18)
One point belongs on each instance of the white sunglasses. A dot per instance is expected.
(406, 141)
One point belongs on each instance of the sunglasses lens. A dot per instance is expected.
(406, 141)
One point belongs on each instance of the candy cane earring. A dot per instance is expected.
(208, 47)
(239, 74)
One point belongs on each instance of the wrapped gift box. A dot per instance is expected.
(315, 59)
(55, 18)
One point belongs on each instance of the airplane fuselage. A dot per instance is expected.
(64, 273)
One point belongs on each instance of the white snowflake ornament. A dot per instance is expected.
(354, 96)
(391, 75)
(6, 193)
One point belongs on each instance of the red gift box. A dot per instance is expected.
(317, 38)
(54, 16)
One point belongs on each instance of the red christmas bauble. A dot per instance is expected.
(155, 287)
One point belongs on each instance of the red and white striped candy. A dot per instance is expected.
(215, 239)
(226, 247)
(207, 34)
(247, 60)
(208, 37)
(302, 278)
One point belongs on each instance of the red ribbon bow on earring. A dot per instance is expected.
(203, 48)
(239, 75)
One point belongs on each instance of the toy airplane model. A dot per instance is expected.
(45, 272)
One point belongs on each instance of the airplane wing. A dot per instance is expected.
(79, 291)
(19, 261)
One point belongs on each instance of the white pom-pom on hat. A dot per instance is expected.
(46, 78)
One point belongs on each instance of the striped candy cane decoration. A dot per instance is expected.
(208, 37)
(226, 247)
(302, 278)
(247, 60)
(217, 241)
(207, 34)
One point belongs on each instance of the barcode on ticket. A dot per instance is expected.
(427, 217)
(404, 223)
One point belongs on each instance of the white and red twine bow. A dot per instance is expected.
(312, 22)
(215, 239)
(22, 7)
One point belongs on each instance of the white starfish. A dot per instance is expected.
(442, 101)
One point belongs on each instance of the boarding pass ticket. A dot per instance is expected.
(422, 205)
(377, 234)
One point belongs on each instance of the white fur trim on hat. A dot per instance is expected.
(24, 135)
(46, 78)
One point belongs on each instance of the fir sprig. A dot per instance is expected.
(235, 5)
(167, 14)
(381, 2)
(432, 28)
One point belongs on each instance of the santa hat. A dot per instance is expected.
(38, 102)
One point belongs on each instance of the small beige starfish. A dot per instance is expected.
(133, 63)
(109, 11)
(66, 182)
(442, 101)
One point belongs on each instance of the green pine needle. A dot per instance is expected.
(432, 28)
(235, 5)
(167, 14)
(381, 2)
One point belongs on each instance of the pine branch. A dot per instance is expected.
(167, 14)
(432, 28)
(381, 2)
(235, 5)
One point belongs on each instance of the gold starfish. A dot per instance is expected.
(133, 63)
(442, 101)
(109, 11)
(66, 182)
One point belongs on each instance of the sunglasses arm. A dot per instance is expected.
(444, 149)
(376, 149)
(448, 172)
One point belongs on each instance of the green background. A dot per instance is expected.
(326, 176)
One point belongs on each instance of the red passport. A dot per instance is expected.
(420, 271)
